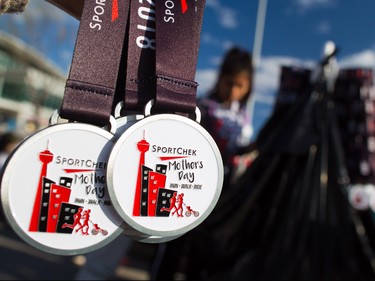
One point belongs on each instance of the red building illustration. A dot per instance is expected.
(58, 195)
(156, 180)
(51, 208)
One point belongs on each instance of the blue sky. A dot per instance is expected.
(295, 32)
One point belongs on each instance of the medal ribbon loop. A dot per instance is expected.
(178, 26)
(162, 55)
(90, 88)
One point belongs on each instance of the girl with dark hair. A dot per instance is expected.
(225, 112)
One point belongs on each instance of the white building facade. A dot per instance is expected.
(31, 87)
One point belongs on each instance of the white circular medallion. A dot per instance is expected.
(165, 175)
(54, 190)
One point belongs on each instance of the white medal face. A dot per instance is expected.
(54, 190)
(165, 175)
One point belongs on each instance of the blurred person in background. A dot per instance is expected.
(227, 117)
(225, 110)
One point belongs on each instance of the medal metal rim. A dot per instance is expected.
(6, 173)
(123, 123)
(113, 157)
(150, 239)
(155, 239)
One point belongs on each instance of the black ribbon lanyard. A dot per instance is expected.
(140, 71)
(162, 55)
(90, 88)
(178, 26)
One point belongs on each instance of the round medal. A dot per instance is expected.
(54, 190)
(164, 175)
(122, 124)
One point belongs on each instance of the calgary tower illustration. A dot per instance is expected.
(143, 146)
(45, 157)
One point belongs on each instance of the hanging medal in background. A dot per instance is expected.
(165, 172)
(54, 186)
